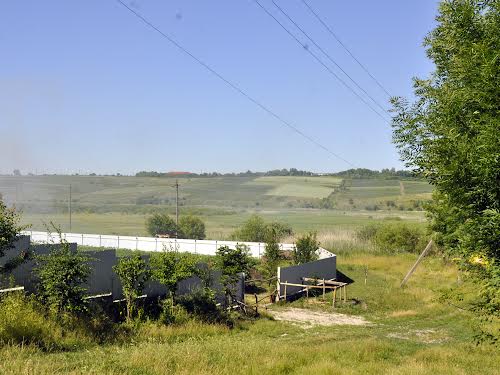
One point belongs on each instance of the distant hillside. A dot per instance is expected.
(350, 173)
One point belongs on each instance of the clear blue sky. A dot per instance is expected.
(86, 87)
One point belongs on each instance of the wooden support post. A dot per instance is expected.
(286, 283)
(307, 292)
(323, 288)
(414, 267)
(256, 304)
(334, 296)
(345, 293)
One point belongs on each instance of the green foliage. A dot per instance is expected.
(305, 248)
(22, 321)
(9, 227)
(133, 273)
(61, 275)
(191, 227)
(170, 267)
(231, 262)
(399, 237)
(255, 229)
(172, 313)
(252, 230)
(161, 224)
(272, 255)
(367, 232)
(201, 303)
(451, 136)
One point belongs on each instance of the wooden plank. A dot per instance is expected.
(414, 267)
(312, 286)
(328, 282)
(15, 289)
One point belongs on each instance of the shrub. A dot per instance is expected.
(133, 273)
(202, 304)
(272, 255)
(368, 232)
(61, 276)
(172, 313)
(399, 237)
(161, 224)
(231, 262)
(305, 248)
(9, 227)
(255, 229)
(170, 267)
(191, 227)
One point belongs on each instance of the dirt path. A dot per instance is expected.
(308, 319)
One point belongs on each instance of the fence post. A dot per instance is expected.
(195, 245)
(215, 247)
(118, 244)
(136, 243)
(82, 239)
(100, 240)
(156, 244)
(259, 250)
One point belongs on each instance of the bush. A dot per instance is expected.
(172, 313)
(202, 304)
(231, 262)
(305, 248)
(191, 227)
(161, 224)
(61, 276)
(368, 232)
(255, 229)
(170, 267)
(9, 227)
(133, 274)
(272, 255)
(399, 237)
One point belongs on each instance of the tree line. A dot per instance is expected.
(350, 173)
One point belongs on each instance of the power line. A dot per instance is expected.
(231, 84)
(345, 47)
(319, 60)
(327, 55)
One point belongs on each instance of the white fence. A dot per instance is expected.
(206, 247)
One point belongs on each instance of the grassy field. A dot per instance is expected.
(120, 205)
(218, 226)
(410, 332)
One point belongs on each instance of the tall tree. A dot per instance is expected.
(451, 135)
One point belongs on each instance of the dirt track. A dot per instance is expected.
(308, 319)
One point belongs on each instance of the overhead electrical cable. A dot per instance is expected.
(231, 84)
(328, 28)
(327, 55)
(335, 75)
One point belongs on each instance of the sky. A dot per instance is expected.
(85, 86)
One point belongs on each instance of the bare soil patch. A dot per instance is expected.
(308, 318)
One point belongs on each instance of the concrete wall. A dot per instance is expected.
(206, 247)
(321, 269)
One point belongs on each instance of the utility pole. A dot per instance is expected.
(69, 207)
(176, 208)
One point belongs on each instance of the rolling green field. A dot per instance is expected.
(120, 205)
